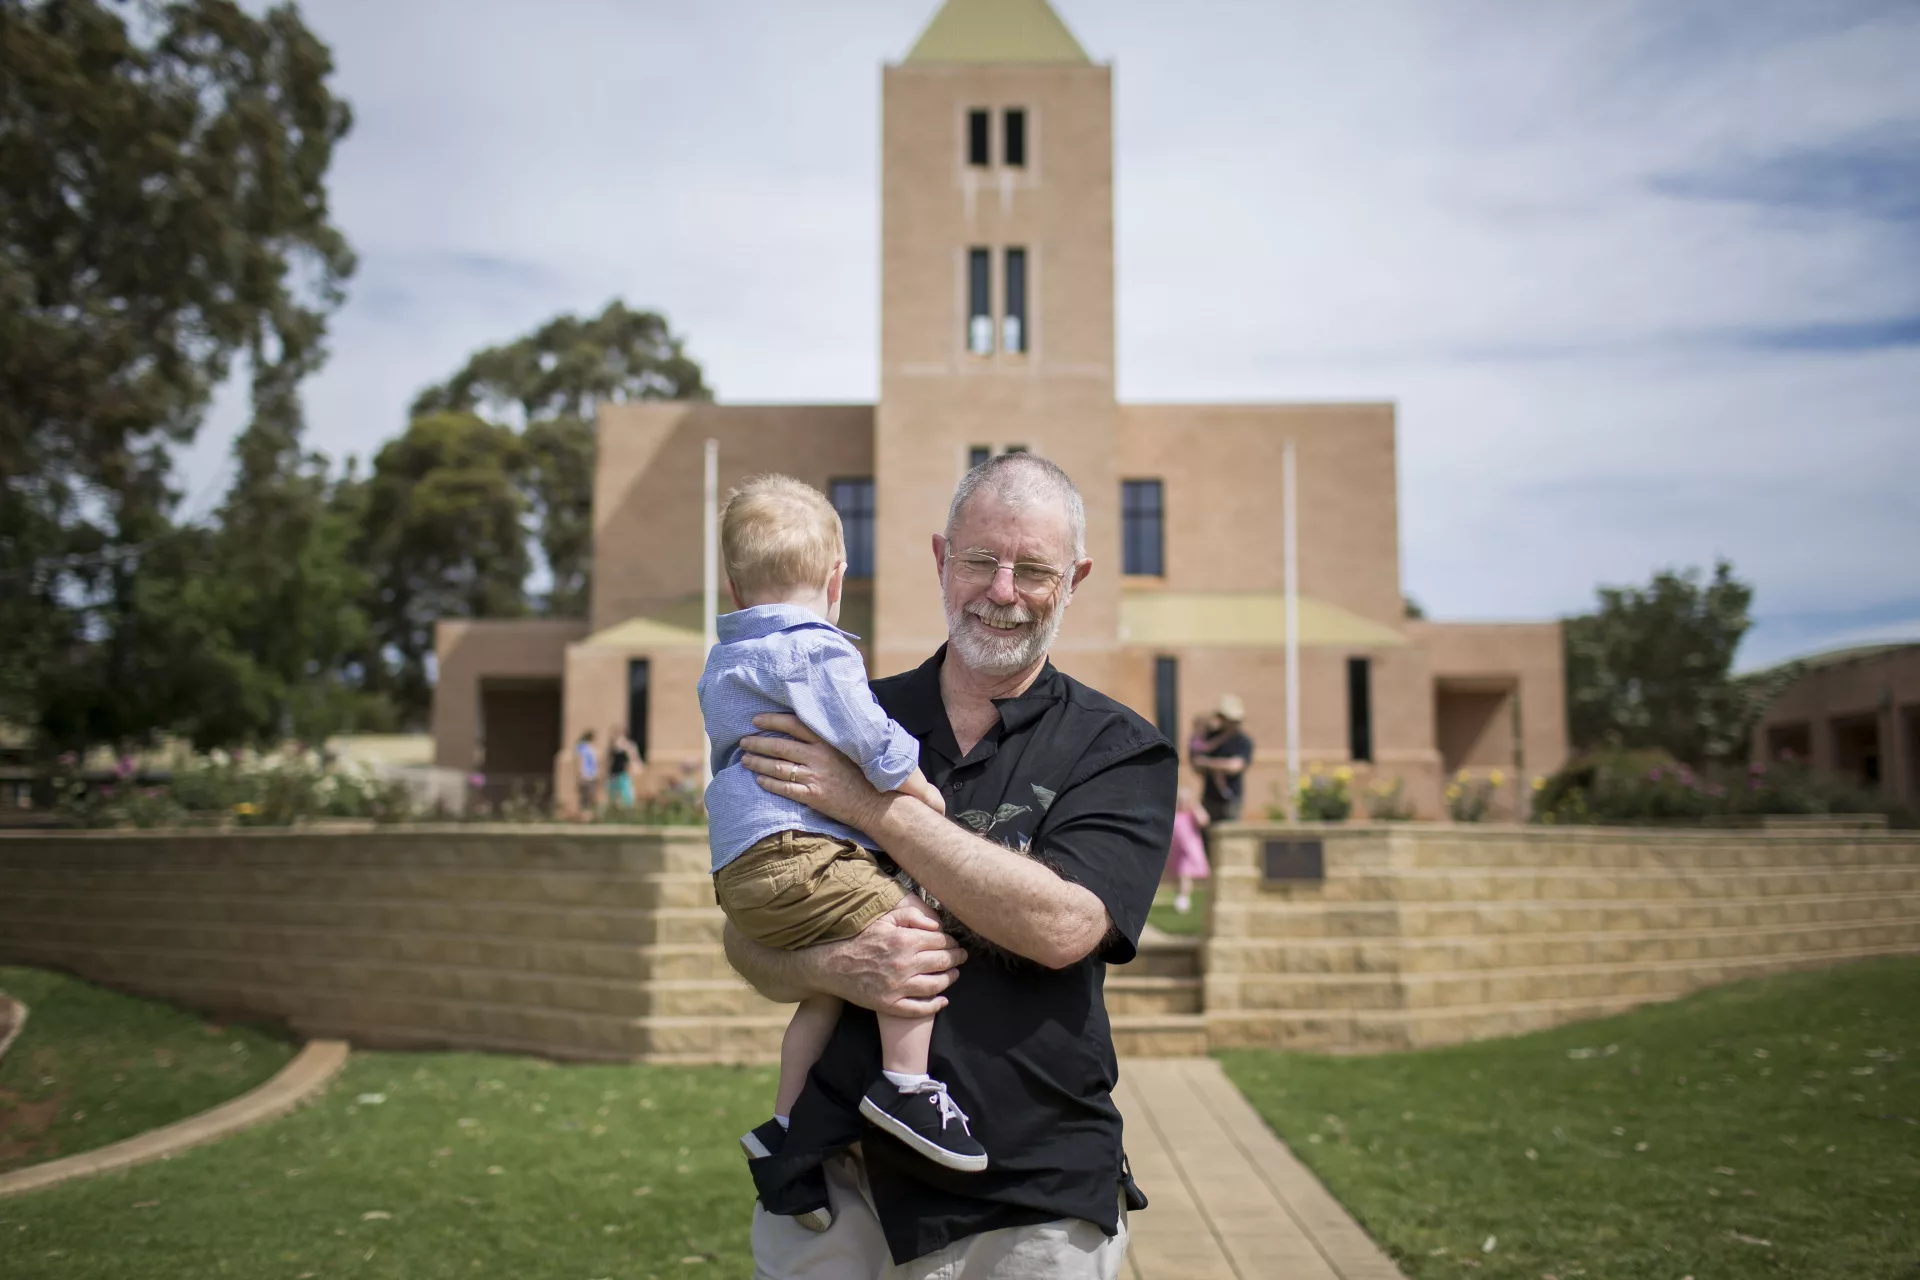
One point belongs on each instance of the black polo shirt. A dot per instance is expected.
(1088, 787)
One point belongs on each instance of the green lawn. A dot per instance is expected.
(1769, 1128)
(1192, 922)
(93, 1067)
(431, 1165)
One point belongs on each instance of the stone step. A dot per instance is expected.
(1672, 849)
(1162, 955)
(1525, 950)
(1128, 994)
(1280, 918)
(1159, 1035)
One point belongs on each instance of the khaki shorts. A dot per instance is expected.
(796, 889)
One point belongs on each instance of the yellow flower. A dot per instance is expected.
(1344, 773)
(1496, 777)
(1461, 776)
(1540, 782)
(1453, 791)
(244, 808)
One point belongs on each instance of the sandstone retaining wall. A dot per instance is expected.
(1426, 934)
(579, 943)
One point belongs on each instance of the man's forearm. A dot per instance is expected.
(1006, 898)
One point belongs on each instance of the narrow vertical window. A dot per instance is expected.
(979, 133)
(1166, 698)
(639, 681)
(1016, 448)
(1142, 521)
(853, 499)
(980, 301)
(1014, 335)
(1360, 709)
(978, 454)
(1015, 151)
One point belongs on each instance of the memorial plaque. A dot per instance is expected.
(1290, 860)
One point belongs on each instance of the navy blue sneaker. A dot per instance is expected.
(805, 1199)
(925, 1117)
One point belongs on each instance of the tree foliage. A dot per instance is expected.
(552, 382)
(1651, 667)
(163, 211)
(441, 534)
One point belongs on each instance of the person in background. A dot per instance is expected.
(621, 757)
(1222, 758)
(587, 775)
(1189, 858)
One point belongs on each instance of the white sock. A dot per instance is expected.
(784, 1122)
(902, 1081)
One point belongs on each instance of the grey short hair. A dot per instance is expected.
(1024, 480)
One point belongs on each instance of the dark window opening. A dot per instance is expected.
(1142, 521)
(1360, 709)
(1016, 448)
(853, 499)
(1166, 698)
(979, 129)
(1015, 153)
(979, 302)
(1014, 334)
(639, 679)
(978, 454)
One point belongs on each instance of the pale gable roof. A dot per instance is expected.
(997, 31)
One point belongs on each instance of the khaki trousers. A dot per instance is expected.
(854, 1248)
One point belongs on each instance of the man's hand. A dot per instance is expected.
(804, 769)
(898, 965)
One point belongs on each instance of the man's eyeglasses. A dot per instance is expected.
(1030, 578)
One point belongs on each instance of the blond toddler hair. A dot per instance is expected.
(778, 534)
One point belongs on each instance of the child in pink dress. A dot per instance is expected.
(1188, 861)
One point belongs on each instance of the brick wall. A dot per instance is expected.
(1423, 935)
(553, 940)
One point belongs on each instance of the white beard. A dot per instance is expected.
(993, 652)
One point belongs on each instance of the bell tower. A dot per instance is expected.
(996, 313)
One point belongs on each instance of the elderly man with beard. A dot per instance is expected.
(1059, 810)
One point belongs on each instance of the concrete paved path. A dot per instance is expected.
(1230, 1202)
(299, 1081)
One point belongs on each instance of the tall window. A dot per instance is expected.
(1013, 328)
(639, 681)
(1015, 151)
(853, 499)
(979, 131)
(1360, 709)
(978, 454)
(1142, 521)
(980, 301)
(1166, 698)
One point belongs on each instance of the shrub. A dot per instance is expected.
(1468, 797)
(1651, 787)
(1386, 801)
(246, 788)
(1323, 797)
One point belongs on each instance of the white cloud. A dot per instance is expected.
(1550, 233)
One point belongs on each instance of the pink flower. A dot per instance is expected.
(1653, 774)
(476, 780)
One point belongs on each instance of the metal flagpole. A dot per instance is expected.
(710, 576)
(1291, 542)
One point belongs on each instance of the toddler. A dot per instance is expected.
(787, 876)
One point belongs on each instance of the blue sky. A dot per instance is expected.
(1643, 278)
